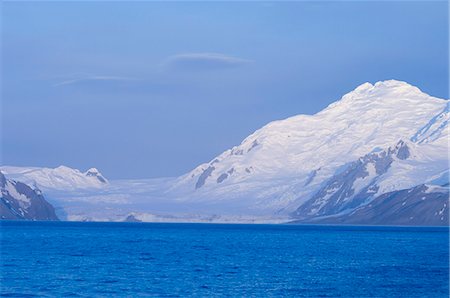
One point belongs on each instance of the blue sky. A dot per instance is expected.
(152, 89)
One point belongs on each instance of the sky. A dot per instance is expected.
(153, 89)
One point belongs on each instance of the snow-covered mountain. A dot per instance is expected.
(378, 138)
(20, 201)
(373, 144)
(62, 177)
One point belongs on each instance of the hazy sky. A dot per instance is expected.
(146, 89)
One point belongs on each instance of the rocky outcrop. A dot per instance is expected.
(21, 202)
(354, 185)
(131, 218)
(418, 206)
(202, 179)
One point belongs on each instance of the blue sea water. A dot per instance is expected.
(137, 259)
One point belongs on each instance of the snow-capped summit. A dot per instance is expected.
(369, 117)
(93, 172)
(62, 177)
(380, 89)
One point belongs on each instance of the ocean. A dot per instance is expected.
(82, 259)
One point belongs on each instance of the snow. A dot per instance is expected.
(435, 128)
(24, 201)
(436, 188)
(442, 178)
(428, 165)
(61, 177)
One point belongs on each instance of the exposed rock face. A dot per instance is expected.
(202, 179)
(354, 185)
(20, 201)
(418, 206)
(131, 218)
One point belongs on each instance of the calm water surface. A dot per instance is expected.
(135, 259)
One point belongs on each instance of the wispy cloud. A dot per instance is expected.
(204, 61)
(75, 79)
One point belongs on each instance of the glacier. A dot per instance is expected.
(378, 141)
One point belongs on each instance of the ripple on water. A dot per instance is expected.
(91, 260)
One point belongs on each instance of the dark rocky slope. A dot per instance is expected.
(417, 206)
(19, 201)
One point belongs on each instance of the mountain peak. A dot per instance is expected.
(93, 172)
(63, 168)
(383, 94)
(382, 88)
(362, 88)
(386, 84)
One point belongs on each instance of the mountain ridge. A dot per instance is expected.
(59, 177)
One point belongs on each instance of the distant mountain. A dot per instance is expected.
(20, 201)
(379, 146)
(61, 177)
